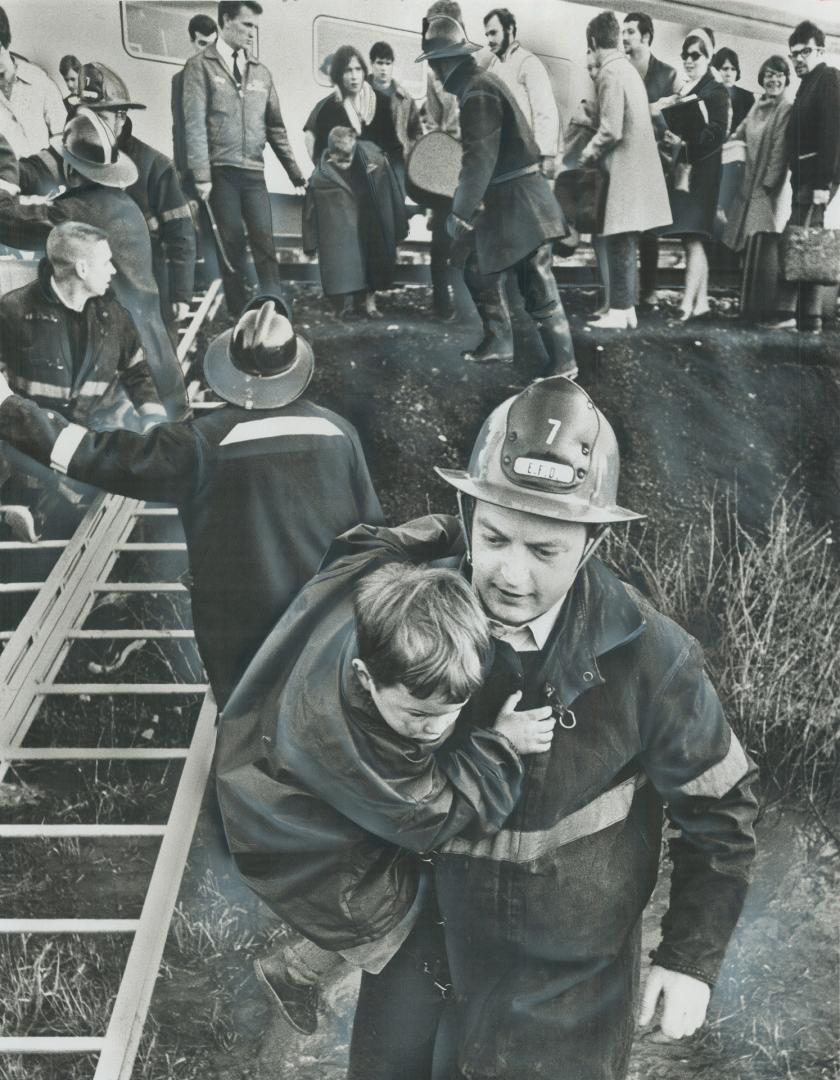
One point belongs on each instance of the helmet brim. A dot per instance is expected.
(529, 501)
(120, 174)
(464, 48)
(257, 391)
(95, 105)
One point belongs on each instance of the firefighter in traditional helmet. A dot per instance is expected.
(540, 923)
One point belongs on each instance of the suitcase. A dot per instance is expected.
(760, 279)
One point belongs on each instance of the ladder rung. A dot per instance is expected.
(92, 753)
(137, 586)
(129, 635)
(37, 545)
(49, 689)
(152, 546)
(17, 832)
(21, 586)
(68, 926)
(50, 1044)
(157, 511)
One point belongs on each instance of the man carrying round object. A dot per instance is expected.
(504, 214)
(262, 485)
(542, 922)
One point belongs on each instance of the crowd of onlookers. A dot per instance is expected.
(688, 154)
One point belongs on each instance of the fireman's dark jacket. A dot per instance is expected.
(500, 189)
(35, 353)
(158, 193)
(542, 920)
(261, 495)
(324, 803)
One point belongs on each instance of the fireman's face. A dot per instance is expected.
(522, 564)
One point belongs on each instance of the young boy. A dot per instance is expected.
(360, 770)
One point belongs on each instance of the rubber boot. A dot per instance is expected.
(496, 346)
(442, 302)
(557, 341)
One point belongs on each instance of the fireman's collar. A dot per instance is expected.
(599, 615)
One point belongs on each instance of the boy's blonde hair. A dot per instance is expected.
(423, 628)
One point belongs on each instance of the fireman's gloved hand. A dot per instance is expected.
(530, 731)
(458, 229)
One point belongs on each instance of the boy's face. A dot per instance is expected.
(383, 71)
(426, 720)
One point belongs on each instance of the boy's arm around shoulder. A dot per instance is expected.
(436, 536)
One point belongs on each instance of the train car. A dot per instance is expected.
(146, 41)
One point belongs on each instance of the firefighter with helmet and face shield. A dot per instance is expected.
(541, 923)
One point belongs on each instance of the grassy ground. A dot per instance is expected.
(703, 413)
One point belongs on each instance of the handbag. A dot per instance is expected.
(811, 254)
(582, 195)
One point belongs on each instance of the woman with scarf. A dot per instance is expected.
(356, 105)
(695, 176)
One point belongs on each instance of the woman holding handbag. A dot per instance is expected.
(695, 176)
(625, 147)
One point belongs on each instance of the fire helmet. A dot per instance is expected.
(547, 451)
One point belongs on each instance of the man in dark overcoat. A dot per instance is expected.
(157, 191)
(504, 213)
(97, 174)
(813, 150)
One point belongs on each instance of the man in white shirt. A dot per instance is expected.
(31, 107)
(526, 77)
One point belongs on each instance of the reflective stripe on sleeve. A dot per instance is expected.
(177, 212)
(272, 426)
(33, 388)
(65, 447)
(136, 358)
(720, 778)
(520, 847)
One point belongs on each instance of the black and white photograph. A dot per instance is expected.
(419, 540)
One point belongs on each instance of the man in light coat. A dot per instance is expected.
(661, 80)
(524, 75)
(625, 146)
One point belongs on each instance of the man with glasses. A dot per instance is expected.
(813, 151)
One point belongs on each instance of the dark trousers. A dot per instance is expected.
(534, 277)
(804, 294)
(239, 200)
(622, 252)
(399, 1009)
(648, 263)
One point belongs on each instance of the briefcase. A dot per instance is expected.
(582, 194)
(432, 169)
(811, 254)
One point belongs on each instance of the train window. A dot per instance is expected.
(157, 30)
(329, 33)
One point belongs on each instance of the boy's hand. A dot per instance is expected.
(530, 731)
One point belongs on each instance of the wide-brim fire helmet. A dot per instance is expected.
(443, 38)
(548, 451)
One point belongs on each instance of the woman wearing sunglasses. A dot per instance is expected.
(695, 176)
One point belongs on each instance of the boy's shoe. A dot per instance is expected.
(298, 1005)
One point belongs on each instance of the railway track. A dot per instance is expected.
(69, 600)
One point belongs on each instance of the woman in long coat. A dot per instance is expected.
(694, 203)
(625, 146)
(764, 132)
(354, 217)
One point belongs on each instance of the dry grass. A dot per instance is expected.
(767, 610)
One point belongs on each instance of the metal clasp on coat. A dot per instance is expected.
(561, 713)
(444, 989)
